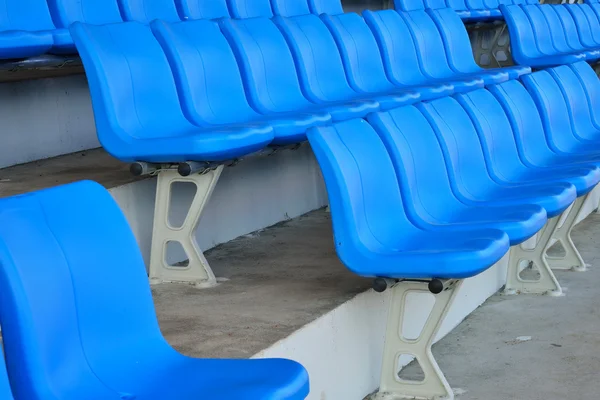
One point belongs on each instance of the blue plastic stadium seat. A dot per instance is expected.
(591, 84)
(250, 8)
(425, 184)
(148, 10)
(554, 110)
(582, 120)
(290, 8)
(534, 142)
(400, 55)
(202, 9)
(25, 28)
(79, 337)
(460, 7)
(320, 66)
(588, 34)
(500, 151)
(531, 48)
(331, 7)
(468, 169)
(5, 391)
(430, 45)
(269, 72)
(565, 38)
(458, 45)
(571, 32)
(362, 59)
(66, 12)
(363, 192)
(210, 84)
(138, 114)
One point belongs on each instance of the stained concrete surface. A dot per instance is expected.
(96, 165)
(277, 281)
(483, 360)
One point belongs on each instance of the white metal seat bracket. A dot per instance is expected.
(434, 384)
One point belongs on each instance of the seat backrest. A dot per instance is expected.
(202, 9)
(589, 80)
(458, 138)
(541, 30)
(133, 90)
(317, 58)
(559, 39)
(586, 36)
(418, 161)
(207, 75)
(409, 5)
(457, 5)
(65, 12)
(359, 51)
(430, 46)
(436, 4)
(569, 26)
(25, 15)
(290, 8)
(58, 319)
(525, 122)
(250, 8)
(396, 46)
(574, 94)
(522, 38)
(456, 40)
(148, 10)
(591, 17)
(331, 7)
(365, 200)
(494, 130)
(267, 65)
(5, 391)
(552, 107)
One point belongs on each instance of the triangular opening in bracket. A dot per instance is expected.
(413, 372)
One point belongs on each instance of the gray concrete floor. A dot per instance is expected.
(483, 360)
(278, 280)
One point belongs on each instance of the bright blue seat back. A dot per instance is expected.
(522, 37)
(202, 9)
(429, 44)
(53, 309)
(207, 75)
(396, 46)
(290, 8)
(250, 8)
(592, 19)
(559, 39)
(436, 5)
(552, 107)
(317, 59)
(148, 10)
(586, 36)
(465, 162)
(525, 121)
(589, 80)
(267, 65)
(569, 27)
(424, 181)
(360, 53)
(140, 104)
(457, 5)
(456, 40)
(25, 15)
(541, 29)
(5, 390)
(65, 12)
(331, 7)
(495, 132)
(361, 183)
(578, 107)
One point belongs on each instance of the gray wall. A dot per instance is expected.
(45, 118)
